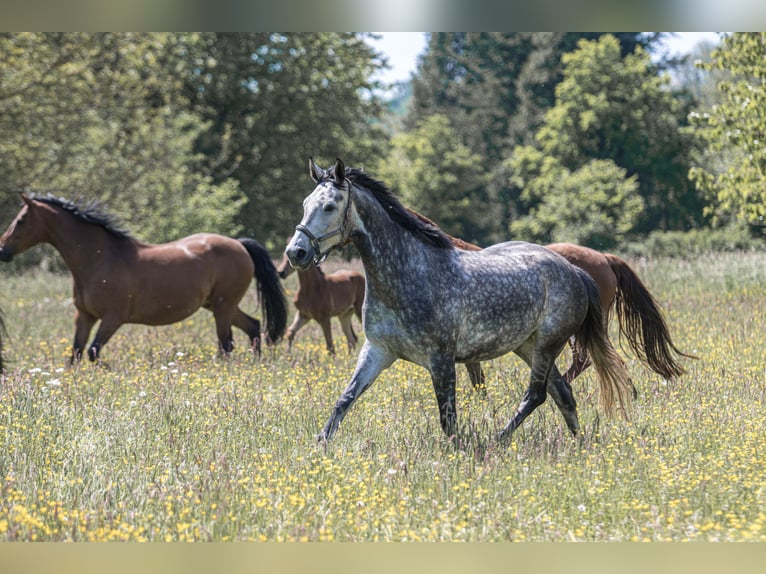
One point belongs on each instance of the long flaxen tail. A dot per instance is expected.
(271, 295)
(642, 323)
(615, 386)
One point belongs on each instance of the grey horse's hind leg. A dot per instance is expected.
(544, 377)
(561, 392)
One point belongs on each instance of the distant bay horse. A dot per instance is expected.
(322, 296)
(639, 315)
(119, 279)
(434, 305)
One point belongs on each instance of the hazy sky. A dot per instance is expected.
(403, 48)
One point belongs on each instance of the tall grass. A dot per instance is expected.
(166, 441)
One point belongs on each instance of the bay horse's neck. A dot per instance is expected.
(80, 244)
(310, 278)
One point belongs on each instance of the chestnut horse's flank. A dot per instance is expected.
(321, 297)
(119, 280)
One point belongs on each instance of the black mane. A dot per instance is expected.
(90, 213)
(423, 230)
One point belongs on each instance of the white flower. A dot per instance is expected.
(54, 383)
(581, 508)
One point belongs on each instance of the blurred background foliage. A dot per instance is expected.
(597, 139)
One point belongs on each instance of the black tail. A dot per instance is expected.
(271, 295)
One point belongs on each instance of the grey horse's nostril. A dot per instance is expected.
(300, 253)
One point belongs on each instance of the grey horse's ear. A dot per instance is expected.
(340, 171)
(317, 173)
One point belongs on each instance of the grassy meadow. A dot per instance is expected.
(165, 441)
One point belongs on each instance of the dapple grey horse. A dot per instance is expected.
(434, 305)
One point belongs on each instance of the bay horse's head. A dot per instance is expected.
(326, 211)
(26, 230)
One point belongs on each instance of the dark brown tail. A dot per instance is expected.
(615, 386)
(271, 295)
(642, 324)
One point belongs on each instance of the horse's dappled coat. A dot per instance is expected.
(432, 304)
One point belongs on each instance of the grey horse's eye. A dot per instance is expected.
(329, 207)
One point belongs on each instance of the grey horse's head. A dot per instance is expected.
(326, 212)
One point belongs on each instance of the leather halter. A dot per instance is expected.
(315, 241)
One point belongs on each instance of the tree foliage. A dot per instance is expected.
(496, 87)
(611, 154)
(595, 205)
(736, 130)
(102, 117)
(179, 133)
(274, 100)
(436, 175)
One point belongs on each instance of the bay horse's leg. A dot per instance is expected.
(105, 331)
(324, 322)
(580, 362)
(249, 325)
(298, 323)
(83, 323)
(223, 330)
(476, 374)
(443, 378)
(348, 330)
(371, 362)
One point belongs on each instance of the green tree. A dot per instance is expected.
(495, 87)
(733, 170)
(102, 117)
(610, 107)
(595, 205)
(274, 100)
(436, 175)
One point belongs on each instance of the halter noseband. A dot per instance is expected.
(319, 257)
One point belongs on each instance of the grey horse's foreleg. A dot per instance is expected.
(371, 362)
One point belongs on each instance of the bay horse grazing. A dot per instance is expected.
(119, 279)
(434, 305)
(321, 297)
(639, 315)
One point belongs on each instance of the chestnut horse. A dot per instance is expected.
(639, 314)
(320, 297)
(119, 279)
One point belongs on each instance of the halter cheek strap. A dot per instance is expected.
(315, 241)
